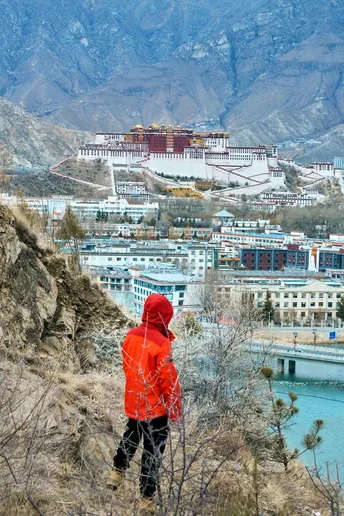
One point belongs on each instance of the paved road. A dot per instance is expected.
(300, 328)
(307, 352)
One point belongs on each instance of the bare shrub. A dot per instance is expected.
(107, 349)
(328, 485)
(59, 431)
(219, 373)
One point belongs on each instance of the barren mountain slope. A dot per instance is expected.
(32, 143)
(267, 71)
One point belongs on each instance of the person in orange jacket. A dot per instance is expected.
(152, 396)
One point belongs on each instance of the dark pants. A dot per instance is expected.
(154, 434)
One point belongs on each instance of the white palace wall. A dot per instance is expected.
(192, 163)
(178, 167)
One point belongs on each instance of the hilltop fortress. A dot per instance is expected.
(175, 151)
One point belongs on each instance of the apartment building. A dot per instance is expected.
(288, 198)
(132, 190)
(131, 187)
(304, 300)
(193, 259)
(243, 225)
(274, 259)
(116, 280)
(256, 239)
(291, 256)
(268, 207)
(114, 206)
(177, 287)
(110, 230)
(201, 257)
(55, 207)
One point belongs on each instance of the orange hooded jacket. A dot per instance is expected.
(152, 387)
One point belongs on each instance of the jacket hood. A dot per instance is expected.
(158, 312)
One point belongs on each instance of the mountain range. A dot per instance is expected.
(267, 71)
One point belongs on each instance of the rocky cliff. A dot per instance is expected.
(31, 143)
(44, 310)
(57, 412)
(267, 71)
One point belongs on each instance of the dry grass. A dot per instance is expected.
(30, 227)
(66, 428)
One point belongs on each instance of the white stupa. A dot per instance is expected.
(312, 263)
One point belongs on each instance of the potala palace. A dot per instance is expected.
(175, 151)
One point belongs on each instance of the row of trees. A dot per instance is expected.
(315, 221)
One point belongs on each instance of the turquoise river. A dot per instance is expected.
(320, 387)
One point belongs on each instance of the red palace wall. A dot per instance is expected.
(158, 143)
(180, 142)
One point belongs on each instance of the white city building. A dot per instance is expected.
(55, 207)
(325, 168)
(296, 299)
(242, 225)
(192, 259)
(131, 187)
(114, 206)
(179, 289)
(254, 239)
(289, 198)
(217, 144)
(116, 280)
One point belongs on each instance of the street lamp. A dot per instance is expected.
(314, 337)
(294, 341)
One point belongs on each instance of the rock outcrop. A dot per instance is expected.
(58, 411)
(44, 310)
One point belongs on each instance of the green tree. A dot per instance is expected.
(340, 308)
(101, 215)
(151, 222)
(72, 234)
(268, 310)
(191, 325)
(281, 415)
